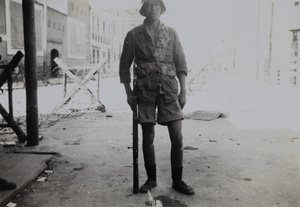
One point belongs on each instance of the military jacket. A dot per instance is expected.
(156, 63)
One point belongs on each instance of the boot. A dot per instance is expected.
(151, 182)
(178, 184)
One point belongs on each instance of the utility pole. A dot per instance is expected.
(270, 45)
(258, 38)
(30, 72)
(45, 39)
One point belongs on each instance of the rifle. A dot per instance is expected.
(135, 139)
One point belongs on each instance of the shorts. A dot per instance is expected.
(166, 112)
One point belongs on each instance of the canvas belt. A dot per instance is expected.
(155, 68)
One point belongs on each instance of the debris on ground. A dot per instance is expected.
(152, 202)
(11, 204)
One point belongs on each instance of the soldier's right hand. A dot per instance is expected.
(130, 100)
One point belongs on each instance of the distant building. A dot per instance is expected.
(56, 35)
(108, 30)
(103, 31)
(62, 30)
(70, 30)
(78, 31)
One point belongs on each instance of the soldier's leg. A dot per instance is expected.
(149, 157)
(175, 132)
(147, 120)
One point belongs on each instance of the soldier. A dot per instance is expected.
(158, 59)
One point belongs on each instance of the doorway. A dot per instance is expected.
(54, 71)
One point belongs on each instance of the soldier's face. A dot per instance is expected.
(152, 10)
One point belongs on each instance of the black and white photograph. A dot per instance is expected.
(149, 103)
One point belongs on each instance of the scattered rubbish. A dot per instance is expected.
(167, 201)
(212, 140)
(150, 198)
(11, 204)
(152, 202)
(48, 171)
(76, 142)
(78, 168)
(41, 179)
(190, 148)
(108, 115)
(295, 139)
(227, 139)
(159, 203)
(247, 179)
(41, 137)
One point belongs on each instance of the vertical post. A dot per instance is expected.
(98, 87)
(65, 80)
(30, 72)
(10, 95)
(45, 39)
(258, 39)
(270, 46)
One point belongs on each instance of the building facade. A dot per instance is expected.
(68, 29)
(108, 30)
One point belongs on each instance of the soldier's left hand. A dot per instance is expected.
(182, 99)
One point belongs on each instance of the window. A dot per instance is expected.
(93, 23)
(93, 55)
(293, 80)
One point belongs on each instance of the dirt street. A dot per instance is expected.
(227, 164)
